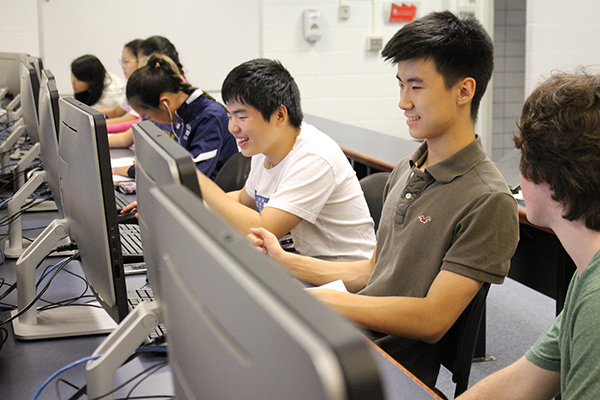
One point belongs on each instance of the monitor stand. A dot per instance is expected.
(118, 346)
(5, 148)
(15, 244)
(55, 322)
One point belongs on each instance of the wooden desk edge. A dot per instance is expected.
(370, 162)
(407, 372)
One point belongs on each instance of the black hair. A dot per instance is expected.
(159, 75)
(89, 69)
(265, 85)
(160, 45)
(458, 47)
(134, 46)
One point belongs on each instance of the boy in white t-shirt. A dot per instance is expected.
(300, 180)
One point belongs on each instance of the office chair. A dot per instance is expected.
(234, 173)
(372, 186)
(458, 345)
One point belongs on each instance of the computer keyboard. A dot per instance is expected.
(137, 296)
(120, 200)
(131, 243)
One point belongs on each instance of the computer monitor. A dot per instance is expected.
(9, 71)
(30, 93)
(160, 161)
(90, 220)
(238, 325)
(49, 122)
(88, 198)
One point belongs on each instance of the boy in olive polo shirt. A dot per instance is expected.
(449, 222)
(560, 177)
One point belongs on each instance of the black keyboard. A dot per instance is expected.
(131, 243)
(120, 200)
(137, 296)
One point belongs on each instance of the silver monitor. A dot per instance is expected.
(238, 325)
(30, 92)
(49, 121)
(87, 193)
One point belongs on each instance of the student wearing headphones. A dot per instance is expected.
(158, 93)
(152, 45)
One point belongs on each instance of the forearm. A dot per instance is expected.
(119, 119)
(228, 206)
(519, 381)
(319, 272)
(121, 140)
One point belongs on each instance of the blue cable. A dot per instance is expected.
(60, 371)
(50, 270)
(5, 201)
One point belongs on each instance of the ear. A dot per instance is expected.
(280, 115)
(466, 91)
(162, 99)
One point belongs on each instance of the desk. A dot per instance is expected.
(24, 366)
(367, 150)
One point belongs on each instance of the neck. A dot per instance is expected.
(580, 242)
(288, 138)
(441, 147)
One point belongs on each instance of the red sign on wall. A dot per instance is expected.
(403, 13)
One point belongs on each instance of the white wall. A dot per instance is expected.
(560, 35)
(338, 78)
(19, 27)
(211, 36)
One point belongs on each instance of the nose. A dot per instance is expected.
(405, 103)
(233, 127)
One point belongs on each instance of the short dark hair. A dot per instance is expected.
(459, 47)
(559, 138)
(265, 85)
(89, 69)
(159, 75)
(134, 46)
(160, 45)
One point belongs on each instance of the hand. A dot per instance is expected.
(121, 171)
(131, 207)
(267, 243)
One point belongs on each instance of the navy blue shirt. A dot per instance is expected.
(202, 129)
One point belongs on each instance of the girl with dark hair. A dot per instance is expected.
(198, 123)
(93, 85)
(121, 116)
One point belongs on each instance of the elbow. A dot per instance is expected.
(433, 332)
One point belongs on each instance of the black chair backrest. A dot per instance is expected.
(458, 345)
(234, 173)
(372, 186)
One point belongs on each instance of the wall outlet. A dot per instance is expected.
(344, 11)
(374, 43)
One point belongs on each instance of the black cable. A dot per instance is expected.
(61, 380)
(3, 337)
(32, 303)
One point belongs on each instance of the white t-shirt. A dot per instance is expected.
(316, 183)
(124, 104)
(114, 88)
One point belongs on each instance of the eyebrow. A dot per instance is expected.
(410, 80)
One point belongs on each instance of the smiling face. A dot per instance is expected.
(253, 134)
(430, 108)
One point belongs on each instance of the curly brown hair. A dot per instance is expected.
(559, 140)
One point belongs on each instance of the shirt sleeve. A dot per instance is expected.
(205, 144)
(476, 250)
(545, 353)
(305, 188)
